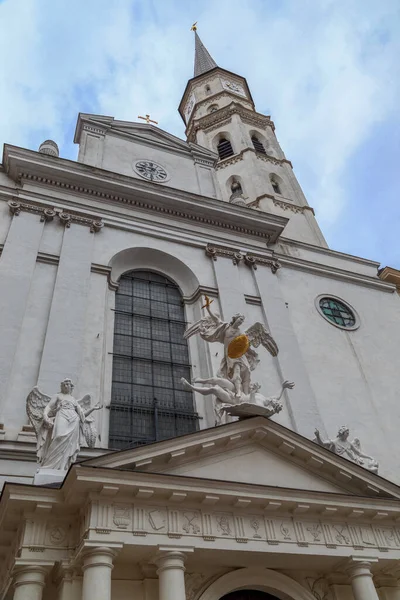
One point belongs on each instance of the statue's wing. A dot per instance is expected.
(257, 335)
(85, 402)
(35, 405)
(205, 326)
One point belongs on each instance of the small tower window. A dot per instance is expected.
(258, 145)
(224, 148)
(275, 184)
(208, 89)
(213, 108)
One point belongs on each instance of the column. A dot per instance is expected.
(303, 406)
(97, 567)
(361, 580)
(171, 573)
(62, 351)
(17, 265)
(29, 583)
(231, 294)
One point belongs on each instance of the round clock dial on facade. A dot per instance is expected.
(150, 170)
(236, 88)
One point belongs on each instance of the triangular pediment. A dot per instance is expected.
(255, 451)
(143, 133)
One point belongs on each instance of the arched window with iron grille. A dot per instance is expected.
(258, 145)
(224, 148)
(150, 356)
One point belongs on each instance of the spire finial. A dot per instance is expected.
(194, 27)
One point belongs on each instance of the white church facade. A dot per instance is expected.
(105, 262)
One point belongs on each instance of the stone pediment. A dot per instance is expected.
(255, 451)
(141, 133)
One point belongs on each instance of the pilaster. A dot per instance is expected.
(17, 265)
(62, 351)
(302, 405)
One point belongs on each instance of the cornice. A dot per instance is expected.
(76, 178)
(237, 157)
(334, 273)
(329, 252)
(390, 275)
(226, 112)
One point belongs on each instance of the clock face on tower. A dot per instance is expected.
(151, 171)
(234, 87)
(189, 107)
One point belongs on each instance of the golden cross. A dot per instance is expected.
(194, 27)
(147, 119)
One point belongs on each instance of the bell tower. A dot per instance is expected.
(219, 113)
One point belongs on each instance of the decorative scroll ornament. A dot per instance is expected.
(251, 260)
(62, 425)
(350, 450)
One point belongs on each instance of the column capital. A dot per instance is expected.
(359, 566)
(99, 556)
(169, 557)
(30, 574)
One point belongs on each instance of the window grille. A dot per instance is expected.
(150, 356)
(337, 312)
(224, 148)
(258, 145)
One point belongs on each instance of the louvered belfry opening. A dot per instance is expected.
(150, 356)
(224, 148)
(258, 145)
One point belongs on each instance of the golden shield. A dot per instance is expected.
(238, 346)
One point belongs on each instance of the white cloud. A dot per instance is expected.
(327, 70)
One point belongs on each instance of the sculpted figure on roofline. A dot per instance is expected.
(62, 425)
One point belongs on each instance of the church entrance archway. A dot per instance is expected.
(248, 595)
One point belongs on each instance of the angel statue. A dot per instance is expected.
(62, 425)
(239, 356)
(224, 392)
(350, 450)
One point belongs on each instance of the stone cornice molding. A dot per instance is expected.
(237, 157)
(292, 207)
(77, 178)
(48, 214)
(250, 259)
(214, 97)
(235, 108)
(390, 275)
(334, 273)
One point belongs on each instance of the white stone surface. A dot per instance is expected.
(44, 476)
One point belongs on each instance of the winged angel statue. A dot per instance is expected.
(240, 358)
(62, 424)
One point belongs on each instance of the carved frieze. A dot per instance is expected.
(213, 525)
(247, 115)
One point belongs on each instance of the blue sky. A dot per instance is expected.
(327, 71)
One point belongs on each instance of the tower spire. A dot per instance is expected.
(203, 61)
